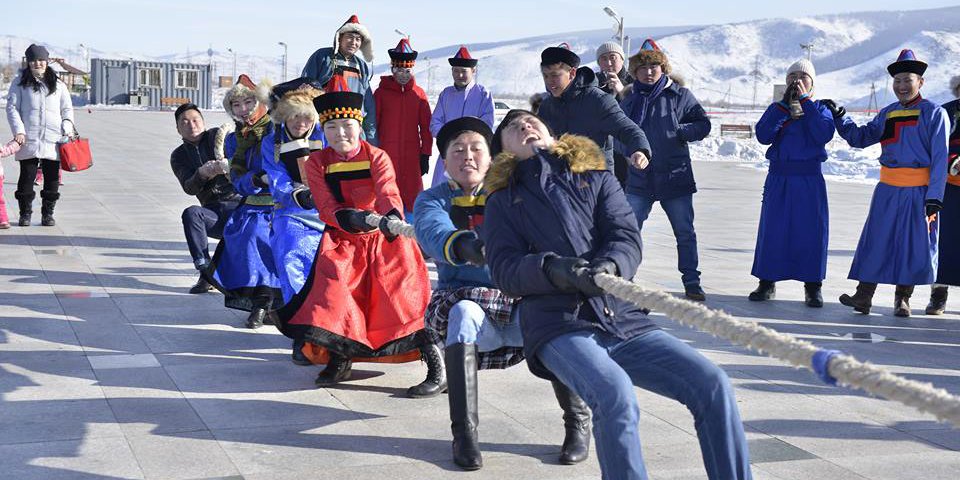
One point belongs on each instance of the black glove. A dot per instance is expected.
(394, 214)
(791, 93)
(304, 198)
(565, 273)
(261, 181)
(352, 220)
(837, 111)
(424, 163)
(602, 265)
(468, 248)
(933, 206)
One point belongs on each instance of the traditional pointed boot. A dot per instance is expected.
(47, 204)
(901, 300)
(576, 422)
(436, 381)
(255, 319)
(862, 300)
(767, 290)
(462, 394)
(938, 300)
(811, 294)
(25, 199)
(338, 369)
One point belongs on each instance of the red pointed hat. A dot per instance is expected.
(907, 62)
(339, 101)
(404, 55)
(462, 58)
(649, 44)
(353, 25)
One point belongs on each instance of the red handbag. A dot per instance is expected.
(75, 153)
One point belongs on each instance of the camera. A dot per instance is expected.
(793, 94)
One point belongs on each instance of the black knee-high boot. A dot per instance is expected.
(47, 204)
(576, 422)
(25, 201)
(462, 393)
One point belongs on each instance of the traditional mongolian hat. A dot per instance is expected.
(649, 54)
(452, 129)
(559, 54)
(462, 59)
(404, 56)
(242, 88)
(339, 102)
(352, 25)
(293, 98)
(907, 62)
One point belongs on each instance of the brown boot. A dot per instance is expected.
(938, 300)
(863, 299)
(901, 300)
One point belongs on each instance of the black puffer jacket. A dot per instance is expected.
(187, 158)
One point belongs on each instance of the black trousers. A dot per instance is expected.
(28, 173)
(201, 222)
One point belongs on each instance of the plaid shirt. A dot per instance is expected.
(495, 305)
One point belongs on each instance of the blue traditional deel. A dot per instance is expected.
(907, 62)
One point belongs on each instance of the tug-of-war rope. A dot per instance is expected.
(831, 366)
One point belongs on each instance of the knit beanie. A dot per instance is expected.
(36, 52)
(803, 66)
(607, 47)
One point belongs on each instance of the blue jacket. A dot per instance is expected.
(560, 202)
(320, 67)
(254, 157)
(435, 233)
(801, 140)
(285, 175)
(674, 118)
(584, 109)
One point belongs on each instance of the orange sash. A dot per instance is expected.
(905, 177)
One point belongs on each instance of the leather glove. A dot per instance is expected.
(468, 248)
(424, 164)
(392, 214)
(261, 181)
(837, 111)
(790, 93)
(563, 272)
(304, 198)
(352, 220)
(587, 284)
(933, 206)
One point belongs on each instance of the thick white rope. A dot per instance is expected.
(799, 353)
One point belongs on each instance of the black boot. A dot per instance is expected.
(47, 204)
(811, 294)
(436, 381)
(297, 356)
(938, 300)
(576, 422)
(202, 286)
(338, 369)
(255, 319)
(25, 199)
(462, 378)
(767, 290)
(862, 300)
(901, 300)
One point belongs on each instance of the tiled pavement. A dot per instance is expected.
(109, 370)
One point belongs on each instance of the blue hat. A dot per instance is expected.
(907, 62)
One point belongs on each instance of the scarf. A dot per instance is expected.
(248, 136)
(644, 95)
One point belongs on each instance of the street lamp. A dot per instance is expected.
(619, 20)
(284, 45)
(234, 63)
(809, 48)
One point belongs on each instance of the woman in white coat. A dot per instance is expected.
(40, 113)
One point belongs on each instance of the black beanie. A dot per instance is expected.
(36, 52)
(183, 109)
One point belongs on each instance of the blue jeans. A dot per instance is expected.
(680, 213)
(603, 370)
(468, 323)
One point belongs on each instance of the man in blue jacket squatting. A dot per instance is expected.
(554, 219)
(467, 315)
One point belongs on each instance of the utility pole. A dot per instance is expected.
(756, 79)
(872, 104)
(284, 75)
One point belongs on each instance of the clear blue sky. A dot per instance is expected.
(156, 27)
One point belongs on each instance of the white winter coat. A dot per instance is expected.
(41, 117)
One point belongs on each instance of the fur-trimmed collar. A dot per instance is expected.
(581, 153)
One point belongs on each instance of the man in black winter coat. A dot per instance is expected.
(613, 78)
(200, 174)
(577, 105)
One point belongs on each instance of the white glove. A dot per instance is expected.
(955, 167)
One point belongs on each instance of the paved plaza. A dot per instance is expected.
(110, 370)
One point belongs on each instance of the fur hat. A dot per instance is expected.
(404, 56)
(243, 88)
(607, 47)
(462, 58)
(649, 54)
(559, 54)
(803, 66)
(36, 52)
(353, 25)
(338, 102)
(293, 98)
(907, 62)
(452, 129)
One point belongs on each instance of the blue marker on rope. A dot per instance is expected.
(820, 362)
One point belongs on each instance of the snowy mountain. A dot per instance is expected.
(720, 63)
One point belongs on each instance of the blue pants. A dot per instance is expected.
(467, 324)
(603, 370)
(680, 213)
(202, 222)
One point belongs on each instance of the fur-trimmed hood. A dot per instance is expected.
(243, 88)
(581, 153)
(353, 25)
